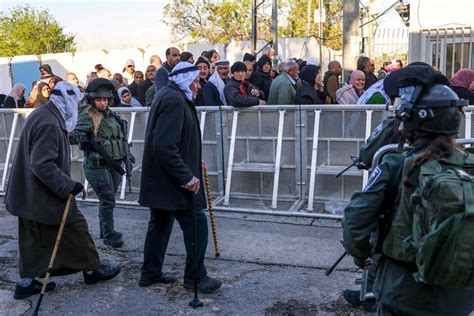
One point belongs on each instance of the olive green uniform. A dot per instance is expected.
(394, 285)
(385, 133)
(103, 178)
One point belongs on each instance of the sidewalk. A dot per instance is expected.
(269, 265)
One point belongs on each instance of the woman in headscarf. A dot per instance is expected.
(15, 98)
(463, 84)
(350, 92)
(44, 91)
(171, 178)
(126, 99)
(311, 91)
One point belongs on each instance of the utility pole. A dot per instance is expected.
(350, 35)
(321, 41)
(254, 27)
(275, 30)
(308, 18)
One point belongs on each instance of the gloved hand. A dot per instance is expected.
(360, 262)
(78, 187)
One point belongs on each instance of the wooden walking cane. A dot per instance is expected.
(211, 212)
(55, 250)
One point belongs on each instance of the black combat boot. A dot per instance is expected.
(103, 273)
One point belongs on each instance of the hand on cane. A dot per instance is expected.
(193, 185)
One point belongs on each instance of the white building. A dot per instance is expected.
(442, 34)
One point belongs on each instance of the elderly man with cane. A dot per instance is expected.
(171, 182)
(37, 193)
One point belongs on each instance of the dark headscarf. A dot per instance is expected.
(309, 73)
(41, 99)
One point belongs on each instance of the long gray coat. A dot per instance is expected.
(39, 181)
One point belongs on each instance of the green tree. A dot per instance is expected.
(212, 21)
(25, 30)
(297, 20)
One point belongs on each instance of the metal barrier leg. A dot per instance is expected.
(368, 131)
(314, 158)
(231, 158)
(276, 177)
(129, 140)
(467, 127)
(203, 123)
(9, 150)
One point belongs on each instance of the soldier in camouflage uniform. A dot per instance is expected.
(100, 135)
(395, 288)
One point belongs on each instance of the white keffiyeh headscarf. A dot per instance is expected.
(183, 75)
(218, 82)
(66, 98)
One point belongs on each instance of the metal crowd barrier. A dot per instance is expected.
(278, 160)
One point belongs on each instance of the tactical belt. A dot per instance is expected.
(114, 164)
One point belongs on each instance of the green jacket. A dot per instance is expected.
(109, 136)
(394, 284)
(282, 91)
(385, 133)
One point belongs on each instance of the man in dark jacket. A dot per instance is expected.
(367, 65)
(38, 189)
(161, 76)
(213, 91)
(171, 178)
(239, 92)
(262, 78)
(136, 88)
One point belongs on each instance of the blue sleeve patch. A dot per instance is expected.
(373, 178)
(376, 132)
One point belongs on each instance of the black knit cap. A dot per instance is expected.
(238, 66)
(202, 60)
(249, 57)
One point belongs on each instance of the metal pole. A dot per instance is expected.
(350, 36)
(321, 41)
(254, 26)
(308, 18)
(275, 29)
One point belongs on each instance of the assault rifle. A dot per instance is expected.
(128, 159)
(356, 161)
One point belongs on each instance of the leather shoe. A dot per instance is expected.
(164, 278)
(103, 273)
(34, 288)
(205, 285)
(114, 242)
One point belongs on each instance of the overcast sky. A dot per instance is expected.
(119, 24)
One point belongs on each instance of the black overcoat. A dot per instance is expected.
(40, 177)
(172, 153)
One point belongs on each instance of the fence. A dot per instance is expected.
(261, 160)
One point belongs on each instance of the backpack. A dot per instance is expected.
(443, 222)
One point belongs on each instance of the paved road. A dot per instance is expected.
(269, 265)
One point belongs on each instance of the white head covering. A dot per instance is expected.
(66, 98)
(16, 91)
(185, 78)
(313, 61)
(218, 82)
(133, 102)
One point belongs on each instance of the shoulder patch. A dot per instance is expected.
(373, 178)
(376, 132)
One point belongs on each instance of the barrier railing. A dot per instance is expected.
(277, 160)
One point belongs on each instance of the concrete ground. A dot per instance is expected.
(269, 266)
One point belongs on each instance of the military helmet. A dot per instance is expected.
(436, 110)
(100, 88)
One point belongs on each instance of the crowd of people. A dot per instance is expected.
(428, 112)
(244, 83)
